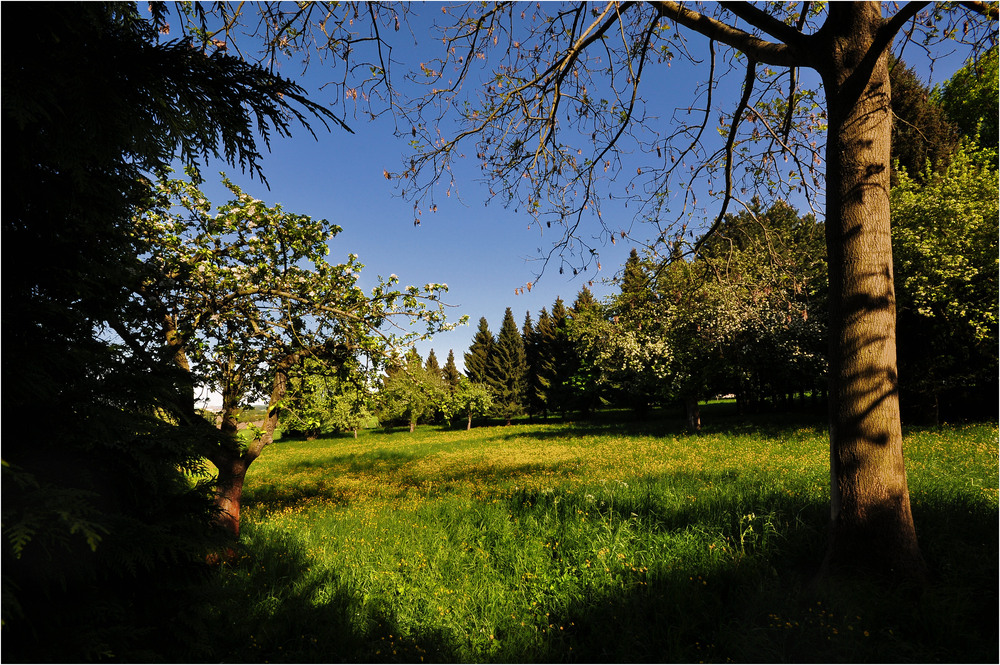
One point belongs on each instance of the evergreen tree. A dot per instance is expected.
(450, 372)
(478, 358)
(560, 390)
(541, 370)
(507, 368)
(103, 517)
(921, 131)
(431, 365)
(635, 288)
(528, 340)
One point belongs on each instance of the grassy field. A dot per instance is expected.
(593, 542)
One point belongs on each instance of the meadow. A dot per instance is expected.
(599, 541)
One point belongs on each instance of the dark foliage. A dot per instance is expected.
(921, 131)
(104, 522)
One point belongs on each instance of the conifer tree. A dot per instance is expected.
(528, 340)
(542, 367)
(507, 368)
(921, 131)
(635, 287)
(560, 393)
(431, 365)
(477, 359)
(450, 372)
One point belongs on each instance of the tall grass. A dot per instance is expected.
(600, 542)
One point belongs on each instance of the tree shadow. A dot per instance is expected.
(275, 604)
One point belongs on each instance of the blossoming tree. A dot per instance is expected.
(246, 294)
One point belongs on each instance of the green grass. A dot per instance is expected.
(592, 542)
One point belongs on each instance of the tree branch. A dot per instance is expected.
(989, 10)
(781, 55)
(758, 18)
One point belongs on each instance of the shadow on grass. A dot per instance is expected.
(717, 418)
(273, 605)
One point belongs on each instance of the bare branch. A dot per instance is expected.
(744, 101)
(989, 10)
(783, 55)
(760, 19)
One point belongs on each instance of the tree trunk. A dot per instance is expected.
(468, 425)
(413, 426)
(232, 464)
(229, 492)
(871, 523)
(693, 413)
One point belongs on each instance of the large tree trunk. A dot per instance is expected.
(871, 523)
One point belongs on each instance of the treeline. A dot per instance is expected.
(745, 318)
(746, 315)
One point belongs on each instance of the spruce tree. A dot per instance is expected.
(431, 364)
(585, 302)
(921, 131)
(450, 372)
(477, 359)
(560, 394)
(635, 287)
(542, 365)
(507, 368)
(528, 340)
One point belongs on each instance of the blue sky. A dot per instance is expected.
(483, 252)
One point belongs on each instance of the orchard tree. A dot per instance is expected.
(770, 267)
(245, 295)
(549, 82)
(104, 521)
(324, 399)
(411, 393)
(471, 399)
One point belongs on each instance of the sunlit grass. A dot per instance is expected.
(559, 542)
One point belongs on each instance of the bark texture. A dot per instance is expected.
(871, 523)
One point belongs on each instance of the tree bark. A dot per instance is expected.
(693, 413)
(233, 464)
(871, 522)
(229, 492)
